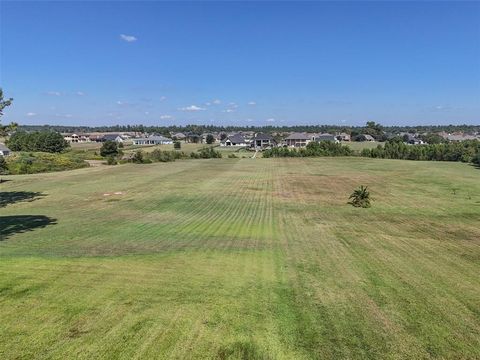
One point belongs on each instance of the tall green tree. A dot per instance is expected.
(210, 139)
(3, 104)
(109, 148)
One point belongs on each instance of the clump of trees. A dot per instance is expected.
(210, 139)
(109, 148)
(39, 162)
(206, 153)
(360, 197)
(464, 151)
(45, 141)
(322, 148)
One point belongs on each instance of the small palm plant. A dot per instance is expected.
(360, 197)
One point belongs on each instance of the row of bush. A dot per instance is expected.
(464, 151)
(157, 155)
(322, 148)
(38, 162)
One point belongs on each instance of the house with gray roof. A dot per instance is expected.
(297, 140)
(112, 137)
(324, 137)
(4, 151)
(262, 141)
(234, 140)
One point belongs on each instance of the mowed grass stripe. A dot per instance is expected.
(245, 258)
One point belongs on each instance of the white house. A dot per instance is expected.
(153, 140)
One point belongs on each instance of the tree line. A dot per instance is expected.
(464, 151)
(371, 128)
(45, 141)
(322, 148)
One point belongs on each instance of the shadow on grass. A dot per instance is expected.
(11, 197)
(15, 224)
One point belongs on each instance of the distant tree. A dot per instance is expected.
(120, 145)
(360, 197)
(223, 136)
(177, 145)
(138, 157)
(109, 148)
(210, 139)
(432, 139)
(3, 104)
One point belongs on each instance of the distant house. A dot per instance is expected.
(234, 140)
(297, 140)
(412, 139)
(324, 137)
(343, 137)
(261, 141)
(152, 140)
(112, 137)
(193, 138)
(460, 137)
(179, 136)
(369, 137)
(4, 151)
(71, 138)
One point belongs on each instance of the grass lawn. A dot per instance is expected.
(242, 259)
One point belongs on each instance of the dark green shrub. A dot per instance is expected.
(111, 160)
(109, 148)
(360, 197)
(138, 157)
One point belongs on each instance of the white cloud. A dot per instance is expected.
(80, 93)
(166, 117)
(208, 103)
(147, 113)
(270, 120)
(233, 105)
(252, 103)
(31, 114)
(120, 102)
(163, 98)
(216, 102)
(128, 38)
(54, 93)
(64, 115)
(191, 108)
(229, 110)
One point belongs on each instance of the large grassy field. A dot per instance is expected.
(242, 259)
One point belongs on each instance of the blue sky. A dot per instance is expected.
(250, 63)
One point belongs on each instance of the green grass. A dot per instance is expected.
(242, 259)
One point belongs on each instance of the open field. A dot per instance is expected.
(242, 259)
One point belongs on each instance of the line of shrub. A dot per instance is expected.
(464, 151)
(45, 141)
(39, 162)
(322, 148)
